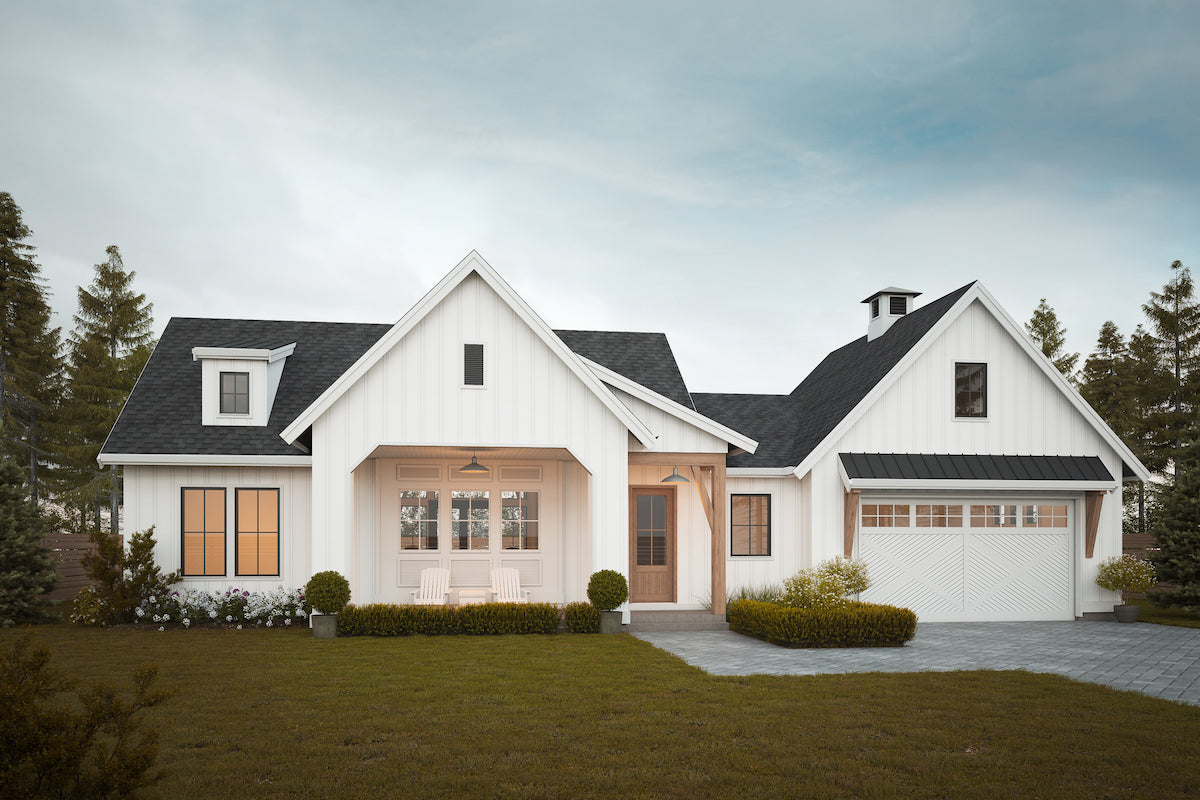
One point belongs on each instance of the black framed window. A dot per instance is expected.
(203, 531)
(750, 524)
(257, 532)
(970, 390)
(235, 392)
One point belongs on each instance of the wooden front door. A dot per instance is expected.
(652, 545)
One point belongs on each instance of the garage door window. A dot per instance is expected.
(1044, 516)
(939, 516)
(885, 516)
(994, 516)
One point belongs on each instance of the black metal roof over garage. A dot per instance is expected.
(933, 467)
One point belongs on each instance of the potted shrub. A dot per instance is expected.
(607, 590)
(1126, 573)
(328, 593)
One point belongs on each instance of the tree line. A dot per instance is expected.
(60, 395)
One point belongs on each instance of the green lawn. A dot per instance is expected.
(1166, 616)
(272, 713)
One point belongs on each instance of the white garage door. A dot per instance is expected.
(969, 561)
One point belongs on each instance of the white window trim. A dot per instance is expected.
(987, 391)
(462, 352)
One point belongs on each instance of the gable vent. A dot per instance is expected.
(418, 472)
(520, 473)
(898, 305)
(472, 365)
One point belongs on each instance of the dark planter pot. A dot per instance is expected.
(324, 626)
(1126, 613)
(610, 621)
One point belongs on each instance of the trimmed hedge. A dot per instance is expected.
(852, 625)
(385, 619)
(582, 618)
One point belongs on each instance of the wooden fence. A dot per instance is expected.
(68, 550)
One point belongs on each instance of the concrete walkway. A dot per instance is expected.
(1157, 660)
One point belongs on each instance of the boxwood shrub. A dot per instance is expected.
(852, 625)
(582, 618)
(385, 619)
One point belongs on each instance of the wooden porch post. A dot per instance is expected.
(1093, 503)
(718, 539)
(851, 520)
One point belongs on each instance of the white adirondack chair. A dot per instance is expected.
(435, 587)
(506, 586)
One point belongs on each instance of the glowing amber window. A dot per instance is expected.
(750, 521)
(257, 531)
(885, 516)
(203, 531)
(932, 516)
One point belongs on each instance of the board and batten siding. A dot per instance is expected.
(1027, 414)
(414, 395)
(790, 547)
(155, 498)
(674, 434)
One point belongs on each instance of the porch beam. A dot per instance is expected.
(718, 539)
(851, 521)
(1092, 504)
(678, 459)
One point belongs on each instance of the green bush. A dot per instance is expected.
(123, 578)
(582, 618)
(328, 592)
(607, 589)
(854, 624)
(62, 741)
(385, 619)
(1126, 573)
(90, 608)
(827, 585)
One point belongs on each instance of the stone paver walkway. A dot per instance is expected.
(1157, 660)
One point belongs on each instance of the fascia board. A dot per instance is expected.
(472, 263)
(1057, 378)
(677, 410)
(914, 353)
(866, 484)
(759, 472)
(206, 460)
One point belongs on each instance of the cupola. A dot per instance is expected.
(885, 307)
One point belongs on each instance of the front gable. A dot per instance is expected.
(469, 365)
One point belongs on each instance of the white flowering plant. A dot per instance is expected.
(229, 607)
(828, 585)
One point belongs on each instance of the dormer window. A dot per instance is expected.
(235, 392)
(238, 381)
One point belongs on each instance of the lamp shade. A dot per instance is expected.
(675, 477)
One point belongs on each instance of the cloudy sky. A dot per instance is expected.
(738, 175)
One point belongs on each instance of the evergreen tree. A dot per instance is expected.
(110, 344)
(1178, 529)
(1049, 334)
(30, 366)
(1174, 316)
(1102, 382)
(27, 569)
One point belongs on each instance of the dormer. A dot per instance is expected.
(239, 381)
(885, 307)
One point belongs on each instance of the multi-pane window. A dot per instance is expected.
(203, 532)
(418, 520)
(651, 513)
(469, 520)
(257, 531)
(935, 516)
(519, 520)
(750, 522)
(1047, 516)
(970, 390)
(875, 515)
(1002, 516)
(235, 392)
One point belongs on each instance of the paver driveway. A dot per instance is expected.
(1158, 660)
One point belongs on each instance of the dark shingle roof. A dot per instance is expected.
(644, 358)
(162, 414)
(769, 419)
(848, 374)
(915, 466)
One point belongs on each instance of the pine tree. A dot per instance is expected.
(1174, 316)
(1178, 529)
(1102, 381)
(27, 569)
(1049, 334)
(30, 364)
(110, 344)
